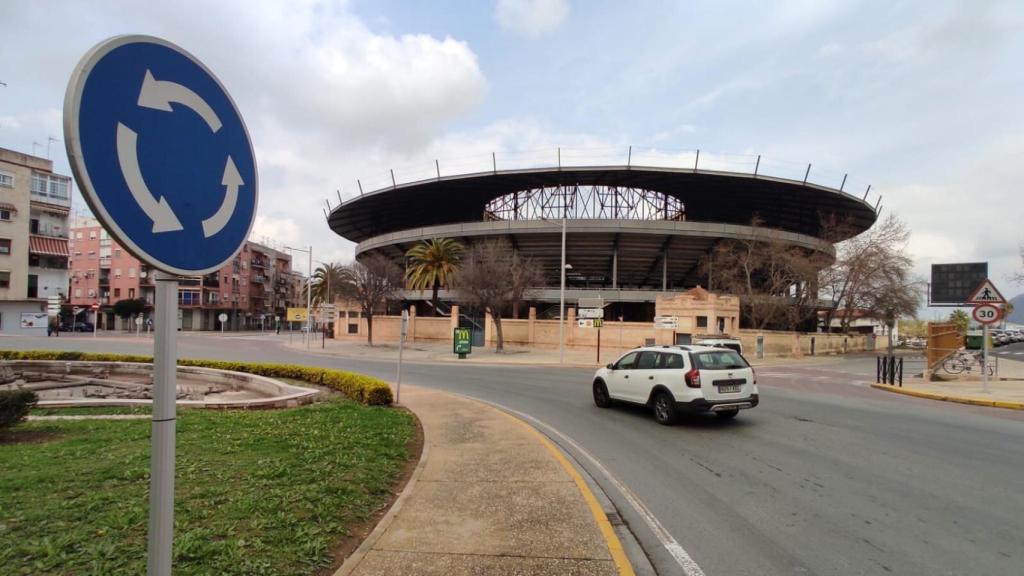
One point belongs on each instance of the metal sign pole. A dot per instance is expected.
(401, 345)
(984, 357)
(161, 472)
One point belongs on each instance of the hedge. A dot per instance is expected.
(14, 406)
(359, 387)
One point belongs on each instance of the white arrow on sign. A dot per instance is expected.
(159, 211)
(232, 180)
(159, 94)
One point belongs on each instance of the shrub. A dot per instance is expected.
(14, 406)
(358, 387)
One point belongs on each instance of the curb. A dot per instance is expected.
(354, 559)
(1008, 404)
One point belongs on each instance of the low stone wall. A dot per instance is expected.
(615, 335)
(274, 393)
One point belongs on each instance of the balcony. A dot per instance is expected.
(259, 279)
(104, 280)
(259, 263)
(105, 262)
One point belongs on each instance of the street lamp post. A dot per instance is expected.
(561, 302)
(561, 296)
(309, 291)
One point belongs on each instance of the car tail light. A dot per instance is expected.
(693, 378)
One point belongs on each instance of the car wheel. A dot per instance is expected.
(727, 414)
(664, 409)
(601, 397)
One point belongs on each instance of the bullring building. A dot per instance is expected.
(632, 232)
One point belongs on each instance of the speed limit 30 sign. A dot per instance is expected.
(987, 313)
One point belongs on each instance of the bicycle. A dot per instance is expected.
(960, 362)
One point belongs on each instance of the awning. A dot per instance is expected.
(51, 208)
(8, 207)
(47, 246)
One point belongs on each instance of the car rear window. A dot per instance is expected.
(719, 360)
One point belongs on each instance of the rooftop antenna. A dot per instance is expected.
(49, 140)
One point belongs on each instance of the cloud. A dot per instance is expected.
(322, 94)
(531, 17)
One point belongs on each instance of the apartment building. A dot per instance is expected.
(34, 207)
(253, 290)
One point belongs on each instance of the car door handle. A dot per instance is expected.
(650, 377)
(626, 376)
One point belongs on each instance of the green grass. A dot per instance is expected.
(257, 492)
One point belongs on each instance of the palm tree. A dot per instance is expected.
(432, 264)
(326, 282)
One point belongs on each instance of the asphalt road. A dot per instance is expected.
(826, 476)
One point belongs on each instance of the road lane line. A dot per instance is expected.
(678, 553)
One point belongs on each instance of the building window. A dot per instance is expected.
(78, 292)
(78, 235)
(189, 298)
(5, 214)
(92, 293)
(92, 234)
(117, 292)
(5, 279)
(131, 292)
(50, 186)
(702, 321)
(6, 180)
(117, 252)
(131, 272)
(5, 246)
(117, 273)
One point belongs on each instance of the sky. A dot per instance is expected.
(920, 99)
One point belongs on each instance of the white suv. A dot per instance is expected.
(671, 379)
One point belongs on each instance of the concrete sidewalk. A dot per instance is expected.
(1006, 392)
(490, 495)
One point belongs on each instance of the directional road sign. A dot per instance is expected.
(161, 154)
(986, 293)
(590, 313)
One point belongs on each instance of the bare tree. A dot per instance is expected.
(1018, 277)
(776, 283)
(493, 276)
(371, 282)
(871, 272)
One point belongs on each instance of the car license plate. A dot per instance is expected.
(729, 389)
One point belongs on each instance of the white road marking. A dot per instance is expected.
(685, 561)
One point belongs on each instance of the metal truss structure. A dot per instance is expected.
(595, 202)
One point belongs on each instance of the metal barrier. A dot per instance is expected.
(889, 370)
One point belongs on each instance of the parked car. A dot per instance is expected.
(77, 327)
(674, 379)
(731, 343)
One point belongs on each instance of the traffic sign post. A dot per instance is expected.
(986, 315)
(987, 311)
(401, 344)
(165, 163)
(223, 318)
